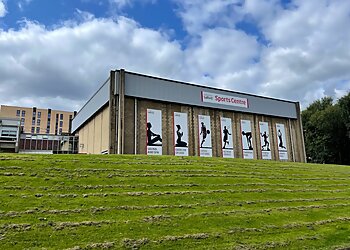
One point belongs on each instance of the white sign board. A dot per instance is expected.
(281, 141)
(265, 141)
(154, 132)
(204, 134)
(226, 138)
(180, 134)
(247, 139)
(224, 99)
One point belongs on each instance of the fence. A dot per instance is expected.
(48, 144)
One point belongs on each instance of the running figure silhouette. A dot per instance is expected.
(266, 142)
(226, 134)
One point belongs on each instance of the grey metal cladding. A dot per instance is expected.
(100, 98)
(171, 91)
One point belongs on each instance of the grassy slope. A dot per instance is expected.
(165, 202)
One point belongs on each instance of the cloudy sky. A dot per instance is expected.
(56, 53)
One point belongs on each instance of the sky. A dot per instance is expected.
(57, 53)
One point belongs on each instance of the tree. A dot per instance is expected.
(326, 131)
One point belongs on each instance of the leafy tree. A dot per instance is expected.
(326, 131)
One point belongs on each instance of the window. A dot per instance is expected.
(8, 133)
(33, 121)
(23, 113)
(18, 112)
(61, 123)
(33, 129)
(48, 115)
(39, 114)
(38, 122)
(37, 130)
(61, 116)
(60, 130)
(23, 121)
(48, 131)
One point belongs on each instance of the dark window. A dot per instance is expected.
(23, 113)
(33, 121)
(61, 123)
(48, 131)
(33, 129)
(56, 125)
(61, 116)
(38, 122)
(22, 121)
(18, 112)
(37, 130)
(39, 114)
(48, 115)
(60, 130)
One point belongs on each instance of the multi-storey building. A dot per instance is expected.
(39, 121)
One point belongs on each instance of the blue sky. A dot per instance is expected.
(55, 53)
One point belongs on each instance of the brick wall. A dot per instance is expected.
(292, 128)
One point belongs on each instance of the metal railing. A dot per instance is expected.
(48, 144)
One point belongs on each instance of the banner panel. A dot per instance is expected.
(180, 134)
(226, 138)
(247, 139)
(265, 141)
(154, 132)
(204, 134)
(282, 142)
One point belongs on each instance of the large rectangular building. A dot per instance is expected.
(39, 121)
(138, 114)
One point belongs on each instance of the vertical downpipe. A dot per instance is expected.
(121, 107)
(291, 138)
(135, 126)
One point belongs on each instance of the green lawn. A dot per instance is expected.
(140, 202)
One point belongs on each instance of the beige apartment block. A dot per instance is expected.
(39, 121)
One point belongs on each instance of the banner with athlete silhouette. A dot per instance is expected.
(154, 132)
(247, 139)
(226, 137)
(204, 135)
(281, 142)
(265, 140)
(180, 134)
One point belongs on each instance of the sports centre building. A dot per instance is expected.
(138, 114)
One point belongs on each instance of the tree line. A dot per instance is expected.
(326, 125)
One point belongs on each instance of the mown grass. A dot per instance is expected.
(140, 202)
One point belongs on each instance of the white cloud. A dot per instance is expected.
(222, 55)
(118, 5)
(2, 9)
(307, 56)
(198, 15)
(63, 67)
(22, 3)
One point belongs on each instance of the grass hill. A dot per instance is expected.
(140, 202)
